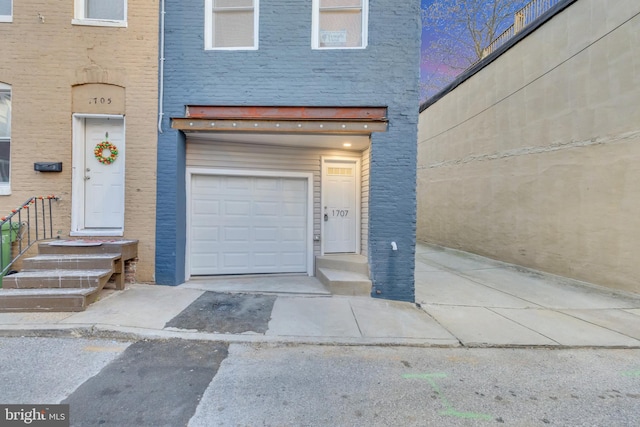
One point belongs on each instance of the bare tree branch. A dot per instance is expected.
(460, 30)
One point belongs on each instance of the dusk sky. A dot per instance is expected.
(438, 69)
(427, 68)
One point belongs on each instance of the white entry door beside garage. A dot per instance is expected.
(248, 224)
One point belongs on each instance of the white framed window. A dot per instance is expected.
(105, 13)
(340, 24)
(6, 10)
(231, 24)
(5, 138)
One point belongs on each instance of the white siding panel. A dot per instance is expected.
(364, 201)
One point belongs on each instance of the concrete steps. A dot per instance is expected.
(66, 275)
(127, 249)
(71, 262)
(344, 274)
(52, 300)
(39, 279)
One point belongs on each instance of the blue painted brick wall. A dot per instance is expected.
(286, 71)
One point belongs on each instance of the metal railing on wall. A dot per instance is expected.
(523, 17)
(24, 226)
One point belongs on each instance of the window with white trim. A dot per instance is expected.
(231, 24)
(339, 24)
(6, 10)
(5, 136)
(101, 13)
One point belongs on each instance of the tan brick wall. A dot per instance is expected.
(535, 160)
(42, 60)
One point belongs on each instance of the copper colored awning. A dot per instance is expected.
(334, 120)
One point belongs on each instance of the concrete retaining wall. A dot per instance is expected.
(535, 160)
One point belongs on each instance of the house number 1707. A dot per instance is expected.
(340, 212)
(99, 101)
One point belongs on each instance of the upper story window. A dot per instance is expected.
(339, 24)
(108, 13)
(231, 24)
(6, 10)
(5, 137)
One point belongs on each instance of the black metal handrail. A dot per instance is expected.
(18, 228)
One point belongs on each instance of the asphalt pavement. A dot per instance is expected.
(177, 382)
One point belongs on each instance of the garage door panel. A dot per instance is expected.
(236, 208)
(293, 234)
(269, 209)
(235, 260)
(293, 209)
(246, 225)
(205, 234)
(265, 184)
(207, 261)
(209, 186)
(237, 183)
(293, 259)
(209, 207)
(294, 187)
(266, 234)
(237, 234)
(265, 260)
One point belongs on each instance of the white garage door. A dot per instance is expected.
(243, 225)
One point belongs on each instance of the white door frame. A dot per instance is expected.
(251, 173)
(77, 176)
(358, 167)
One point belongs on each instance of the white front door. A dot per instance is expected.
(339, 190)
(104, 181)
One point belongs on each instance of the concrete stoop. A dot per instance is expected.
(67, 275)
(344, 274)
(53, 300)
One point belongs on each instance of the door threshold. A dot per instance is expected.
(284, 284)
(97, 233)
(245, 276)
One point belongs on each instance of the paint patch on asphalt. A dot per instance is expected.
(226, 313)
(152, 383)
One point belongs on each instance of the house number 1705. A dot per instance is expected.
(340, 212)
(99, 101)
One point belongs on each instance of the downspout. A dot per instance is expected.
(161, 70)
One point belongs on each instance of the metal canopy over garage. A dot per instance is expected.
(251, 210)
(334, 120)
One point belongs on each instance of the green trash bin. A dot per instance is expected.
(9, 235)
